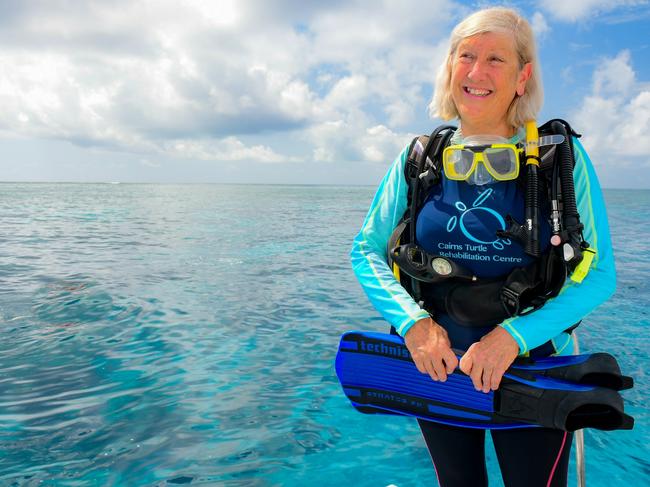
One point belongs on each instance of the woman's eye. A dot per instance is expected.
(495, 59)
(466, 56)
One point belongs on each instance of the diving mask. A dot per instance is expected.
(482, 159)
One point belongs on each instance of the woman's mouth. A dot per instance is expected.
(476, 91)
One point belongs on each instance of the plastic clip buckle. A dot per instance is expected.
(510, 301)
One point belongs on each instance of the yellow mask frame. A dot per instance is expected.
(483, 154)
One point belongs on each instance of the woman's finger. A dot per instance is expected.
(497, 375)
(439, 367)
(431, 370)
(486, 381)
(420, 364)
(466, 364)
(451, 361)
(476, 375)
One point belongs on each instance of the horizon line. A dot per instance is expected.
(189, 183)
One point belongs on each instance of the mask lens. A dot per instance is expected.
(502, 161)
(458, 163)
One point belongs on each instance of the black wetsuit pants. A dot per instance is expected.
(528, 457)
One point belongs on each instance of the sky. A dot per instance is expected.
(287, 91)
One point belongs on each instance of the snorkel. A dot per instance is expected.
(531, 208)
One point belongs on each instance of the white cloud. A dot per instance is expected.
(227, 149)
(539, 25)
(356, 140)
(148, 75)
(575, 10)
(615, 76)
(347, 92)
(380, 144)
(616, 114)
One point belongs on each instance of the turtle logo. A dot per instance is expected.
(498, 243)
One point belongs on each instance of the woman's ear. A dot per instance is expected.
(524, 76)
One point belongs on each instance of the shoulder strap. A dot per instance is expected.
(546, 128)
(423, 167)
(426, 147)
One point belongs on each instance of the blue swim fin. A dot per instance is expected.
(568, 393)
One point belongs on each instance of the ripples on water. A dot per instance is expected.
(163, 335)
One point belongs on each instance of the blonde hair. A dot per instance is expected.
(495, 19)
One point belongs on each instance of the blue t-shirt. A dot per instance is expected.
(460, 221)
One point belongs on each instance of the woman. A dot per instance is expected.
(491, 83)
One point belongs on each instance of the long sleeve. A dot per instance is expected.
(369, 251)
(575, 300)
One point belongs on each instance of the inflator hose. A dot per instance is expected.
(531, 212)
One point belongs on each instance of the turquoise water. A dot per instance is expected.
(165, 335)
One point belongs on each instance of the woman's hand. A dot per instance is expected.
(430, 349)
(487, 360)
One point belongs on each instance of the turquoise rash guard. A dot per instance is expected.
(460, 221)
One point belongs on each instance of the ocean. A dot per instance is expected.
(185, 334)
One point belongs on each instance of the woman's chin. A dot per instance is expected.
(482, 122)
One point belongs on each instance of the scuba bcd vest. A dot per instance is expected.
(442, 285)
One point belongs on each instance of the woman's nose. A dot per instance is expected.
(477, 71)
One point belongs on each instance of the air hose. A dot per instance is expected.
(572, 235)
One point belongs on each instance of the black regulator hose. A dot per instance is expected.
(556, 226)
(570, 215)
(531, 209)
(570, 208)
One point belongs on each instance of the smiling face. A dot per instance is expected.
(485, 77)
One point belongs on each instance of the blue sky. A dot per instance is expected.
(286, 91)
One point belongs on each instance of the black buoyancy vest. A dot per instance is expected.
(473, 301)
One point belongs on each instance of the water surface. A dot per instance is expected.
(185, 334)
